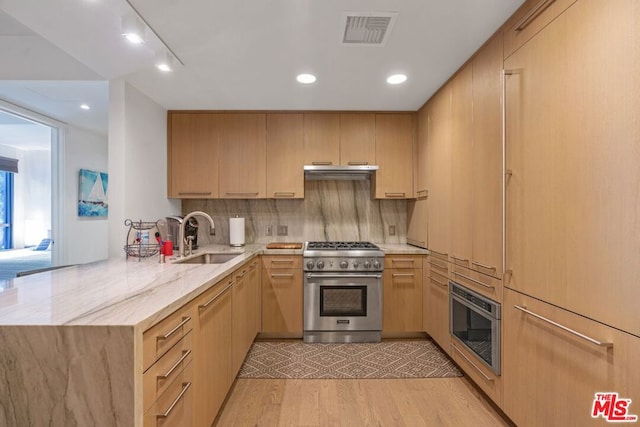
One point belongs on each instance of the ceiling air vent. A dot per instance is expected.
(371, 29)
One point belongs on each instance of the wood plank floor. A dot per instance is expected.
(352, 403)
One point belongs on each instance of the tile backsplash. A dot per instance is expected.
(331, 210)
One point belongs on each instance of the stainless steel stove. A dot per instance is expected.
(342, 292)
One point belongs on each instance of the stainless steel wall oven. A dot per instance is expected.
(475, 323)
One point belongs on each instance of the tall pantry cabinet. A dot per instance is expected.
(572, 204)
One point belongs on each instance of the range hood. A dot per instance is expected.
(342, 173)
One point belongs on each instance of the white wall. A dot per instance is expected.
(84, 239)
(137, 162)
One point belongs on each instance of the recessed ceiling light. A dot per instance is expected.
(133, 29)
(396, 79)
(85, 107)
(306, 78)
(164, 61)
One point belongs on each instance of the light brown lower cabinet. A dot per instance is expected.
(436, 309)
(484, 378)
(174, 406)
(555, 362)
(402, 294)
(213, 351)
(282, 296)
(245, 312)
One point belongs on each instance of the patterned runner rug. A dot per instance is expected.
(389, 359)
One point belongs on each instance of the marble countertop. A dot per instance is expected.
(118, 292)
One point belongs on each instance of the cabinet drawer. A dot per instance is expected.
(162, 373)
(403, 261)
(489, 382)
(488, 286)
(532, 17)
(555, 361)
(158, 339)
(439, 266)
(174, 407)
(282, 262)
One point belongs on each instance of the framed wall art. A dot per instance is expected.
(92, 195)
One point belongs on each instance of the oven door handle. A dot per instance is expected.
(344, 276)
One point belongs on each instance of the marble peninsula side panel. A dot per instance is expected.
(67, 376)
(331, 210)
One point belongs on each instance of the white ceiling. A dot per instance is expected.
(236, 54)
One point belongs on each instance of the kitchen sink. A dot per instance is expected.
(208, 258)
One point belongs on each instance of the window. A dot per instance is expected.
(6, 210)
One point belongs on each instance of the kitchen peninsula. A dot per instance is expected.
(74, 346)
(72, 338)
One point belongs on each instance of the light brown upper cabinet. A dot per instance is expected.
(422, 125)
(242, 169)
(394, 156)
(573, 97)
(321, 139)
(285, 161)
(439, 171)
(357, 139)
(193, 155)
(529, 19)
(486, 253)
(461, 176)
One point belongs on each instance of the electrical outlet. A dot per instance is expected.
(392, 230)
(283, 230)
(268, 230)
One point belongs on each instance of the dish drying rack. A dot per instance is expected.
(135, 246)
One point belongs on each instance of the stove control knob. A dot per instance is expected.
(344, 264)
(376, 264)
(355, 264)
(320, 264)
(367, 264)
(310, 265)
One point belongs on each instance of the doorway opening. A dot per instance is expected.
(26, 194)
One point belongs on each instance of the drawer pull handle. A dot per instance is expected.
(439, 274)
(466, 261)
(533, 14)
(438, 282)
(357, 163)
(322, 163)
(206, 304)
(241, 275)
(439, 254)
(165, 414)
(281, 275)
(398, 260)
(194, 193)
(185, 354)
(241, 193)
(281, 261)
(426, 193)
(403, 275)
(437, 265)
(284, 194)
(471, 363)
(486, 267)
(253, 266)
(174, 330)
(564, 328)
(473, 280)
(387, 194)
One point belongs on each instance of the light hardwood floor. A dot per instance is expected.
(352, 403)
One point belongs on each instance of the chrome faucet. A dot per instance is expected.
(181, 239)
